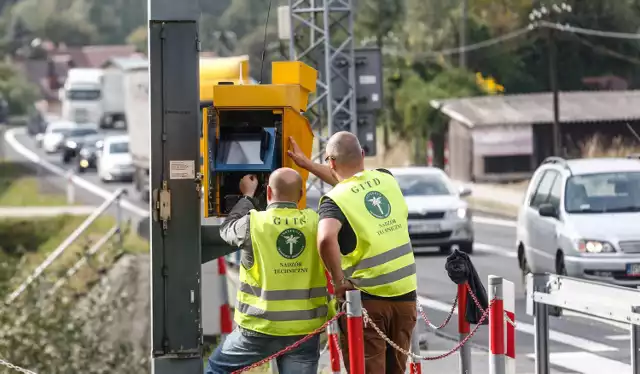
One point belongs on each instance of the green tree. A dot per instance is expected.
(14, 87)
(68, 29)
(139, 38)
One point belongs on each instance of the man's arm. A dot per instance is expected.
(323, 172)
(235, 228)
(329, 248)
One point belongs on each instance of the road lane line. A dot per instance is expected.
(494, 221)
(500, 251)
(618, 337)
(10, 138)
(586, 363)
(527, 328)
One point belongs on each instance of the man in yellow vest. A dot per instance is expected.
(282, 295)
(363, 240)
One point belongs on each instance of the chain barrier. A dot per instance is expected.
(446, 321)
(477, 302)
(15, 367)
(291, 347)
(485, 314)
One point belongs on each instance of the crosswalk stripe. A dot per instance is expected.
(586, 363)
(527, 328)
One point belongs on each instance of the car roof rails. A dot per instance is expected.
(557, 160)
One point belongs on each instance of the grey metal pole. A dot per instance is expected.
(496, 327)
(415, 349)
(463, 34)
(463, 329)
(119, 220)
(635, 344)
(541, 325)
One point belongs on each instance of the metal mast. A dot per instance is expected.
(321, 35)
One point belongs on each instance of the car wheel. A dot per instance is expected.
(65, 159)
(561, 269)
(466, 247)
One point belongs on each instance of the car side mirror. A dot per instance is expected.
(464, 192)
(548, 210)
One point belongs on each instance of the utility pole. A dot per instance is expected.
(176, 331)
(553, 82)
(463, 33)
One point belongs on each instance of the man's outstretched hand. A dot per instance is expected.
(297, 155)
(249, 185)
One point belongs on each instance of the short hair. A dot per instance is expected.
(286, 184)
(344, 148)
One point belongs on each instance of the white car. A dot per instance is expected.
(581, 218)
(54, 135)
(114, 160)
(438, 216)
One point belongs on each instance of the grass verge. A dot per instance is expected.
(18, 187)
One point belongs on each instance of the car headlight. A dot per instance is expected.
(71, 144)
(460, 213)
(594, 246)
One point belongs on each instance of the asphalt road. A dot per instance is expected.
(577, 344)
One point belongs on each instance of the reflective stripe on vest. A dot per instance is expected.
(284, 293)
(382, 263)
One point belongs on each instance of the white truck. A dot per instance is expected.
(81, 96)
(113, 86)
(137, 114)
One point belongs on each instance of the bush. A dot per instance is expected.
(19, 93)
(18, 236)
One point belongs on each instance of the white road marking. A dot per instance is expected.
(527, 328)
(10, 138)
(586, 363)
(494, 222)
(500, 251)
(618, 337)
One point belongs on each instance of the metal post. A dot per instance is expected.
(496, 327)
(463, 34)
(541, 324)
(334, 351)
(71, 193)
(355, 333)
(273, 366)
(416, 363)
(635, 344)
(119, 221)
(463, 329)
(175, 225)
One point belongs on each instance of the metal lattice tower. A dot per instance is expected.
(321, 35)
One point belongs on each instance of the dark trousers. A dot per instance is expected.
(396, 319)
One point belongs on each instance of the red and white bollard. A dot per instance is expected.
(415, 367)
(463, 329)
(226, 323)
(509, 296)
(355, 332)
(496, 327)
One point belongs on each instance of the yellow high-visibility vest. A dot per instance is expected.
(284, 293)
(382, 263)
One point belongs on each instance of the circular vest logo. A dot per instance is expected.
(291, 243)
(377, 204)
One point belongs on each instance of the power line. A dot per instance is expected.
(517, 33)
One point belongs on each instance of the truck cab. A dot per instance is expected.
(81, 96)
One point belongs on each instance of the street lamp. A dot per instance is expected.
(552, 15)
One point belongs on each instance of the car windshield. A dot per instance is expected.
(122, 147)
(423, 185)
(603, 193)
(60, 130)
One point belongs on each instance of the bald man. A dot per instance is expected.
(282, 295)
(363, 239)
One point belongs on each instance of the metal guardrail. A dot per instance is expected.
(609, 302)
(115, 198)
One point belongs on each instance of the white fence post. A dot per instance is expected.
(71, 192)
(509, 297)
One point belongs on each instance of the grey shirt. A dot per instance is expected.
(235, 231)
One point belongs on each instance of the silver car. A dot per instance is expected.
(438, 216)
(581, 218)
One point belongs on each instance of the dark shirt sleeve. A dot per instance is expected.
(384, 171)
(329, 209)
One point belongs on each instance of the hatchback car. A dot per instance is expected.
(54, 135)
(438, 214)
(114, 161)
(581, 218)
